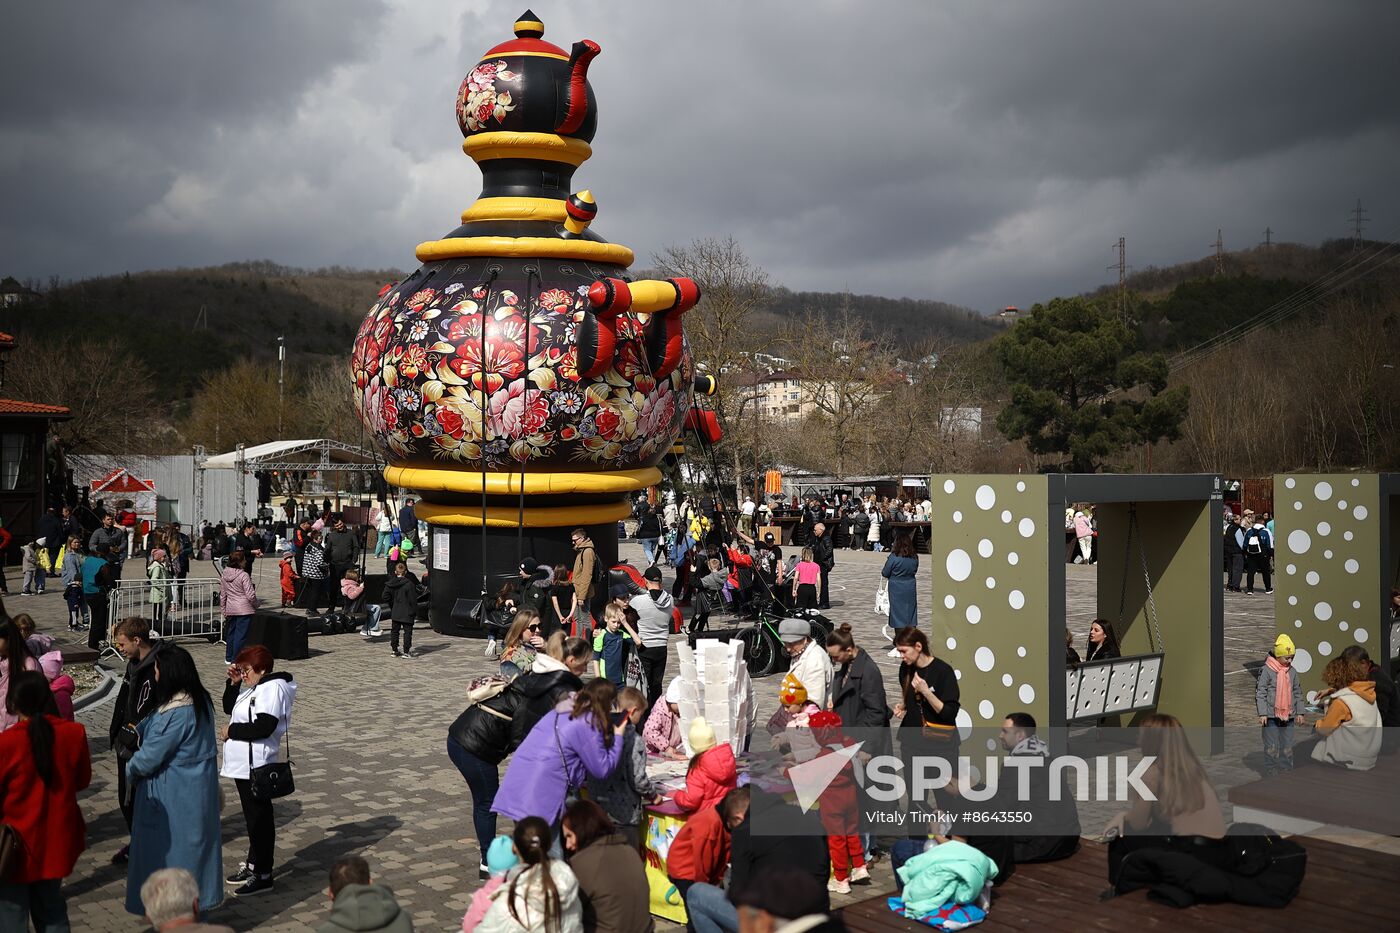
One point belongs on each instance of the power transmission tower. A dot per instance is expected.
(1122, 267)
(1219, 253)
(1358, 224)
(1268, 238)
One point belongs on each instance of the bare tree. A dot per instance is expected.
(239, 404)
(843, 374)
(110, 392)
(732, 288)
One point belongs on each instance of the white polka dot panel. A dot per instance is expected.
(986, 497)
(1328, 548)
(985, 548)
(986, 709)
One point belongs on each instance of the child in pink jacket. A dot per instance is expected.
(500, 859)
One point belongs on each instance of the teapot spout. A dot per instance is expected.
(575, 102)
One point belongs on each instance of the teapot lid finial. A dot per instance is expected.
(529, 26)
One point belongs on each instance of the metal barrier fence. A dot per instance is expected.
(198, 615)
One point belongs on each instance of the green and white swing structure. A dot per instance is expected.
(997, 583)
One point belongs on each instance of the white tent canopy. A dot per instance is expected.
(321, 454)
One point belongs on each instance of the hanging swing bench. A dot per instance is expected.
(1114, 686)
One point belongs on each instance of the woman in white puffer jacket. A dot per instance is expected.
(542, 895)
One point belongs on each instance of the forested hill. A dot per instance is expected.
(188, 323)
(1180, 306)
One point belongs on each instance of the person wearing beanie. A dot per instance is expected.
(794, 708)
(159, 575)
(839, 810)
(500, 859)
(1278, 700)
(712, 772)
(662, 733)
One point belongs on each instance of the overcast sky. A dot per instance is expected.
(982, 152)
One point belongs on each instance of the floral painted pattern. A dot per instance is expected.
(429, 386)
(479, 101)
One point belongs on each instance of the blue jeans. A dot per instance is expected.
(709, 909)
(1278, 743)
(649, 549)
(371, 626)
(237, 634)
(484, 779)
(902, 851)
(41, 901)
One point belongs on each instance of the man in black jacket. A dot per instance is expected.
(775, 835)
(825, 556)
(135, 701)
(250, 544)
(1234, 554)
(342, 553)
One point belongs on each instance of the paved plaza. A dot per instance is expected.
(373, 777)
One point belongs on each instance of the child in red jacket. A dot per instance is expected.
(712, 773)
(289, 578)
(840, 808)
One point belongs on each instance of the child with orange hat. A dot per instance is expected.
(794, 708)
(1278, 699)
(840, 808)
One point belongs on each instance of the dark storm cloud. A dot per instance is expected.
(985, 153)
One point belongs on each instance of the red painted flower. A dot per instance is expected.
(608, 421)
(415, 359)
(516, 413)
(421, 299)
(504, 361)
(390, 412)
(556, 300)
(450, 421)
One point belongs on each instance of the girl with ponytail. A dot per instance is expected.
(543, 895)
(43, 764)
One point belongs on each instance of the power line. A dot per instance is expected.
(1349, 271)
(1358, 224)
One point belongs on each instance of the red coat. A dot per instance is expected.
(713, 776)
(700, 850)
(47, 818)
(840, 808)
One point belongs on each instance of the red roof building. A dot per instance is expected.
(26, 457)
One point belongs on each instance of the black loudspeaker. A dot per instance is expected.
(281, 633)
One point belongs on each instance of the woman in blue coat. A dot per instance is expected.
(900, 569)
(175, 777)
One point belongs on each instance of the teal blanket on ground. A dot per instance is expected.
(951, 873)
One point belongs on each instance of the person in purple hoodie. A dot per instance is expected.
(578, 739)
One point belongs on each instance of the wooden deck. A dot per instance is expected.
(1317, 793)
(1345, 887)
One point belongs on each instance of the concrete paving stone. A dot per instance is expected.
(373, 776)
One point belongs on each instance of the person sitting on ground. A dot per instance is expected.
(1053, 831)
(359, 905)
(1351, 728)
(500, 860)
(712, 772)
(170, 898)
(543, 895)
(1186, 803)
(662, 733)
(612, 878)
(1387, 701)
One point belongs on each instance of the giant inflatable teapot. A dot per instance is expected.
(519, 381)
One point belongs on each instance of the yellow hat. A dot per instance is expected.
(702, 737)
(792, 691)
(1283, 647)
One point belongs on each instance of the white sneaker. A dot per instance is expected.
(894, 653)
(838, 887)
(860, 875)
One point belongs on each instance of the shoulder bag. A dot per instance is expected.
(274, 779)
(11, 853)
(933, 732)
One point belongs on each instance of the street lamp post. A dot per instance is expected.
(281, 361)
